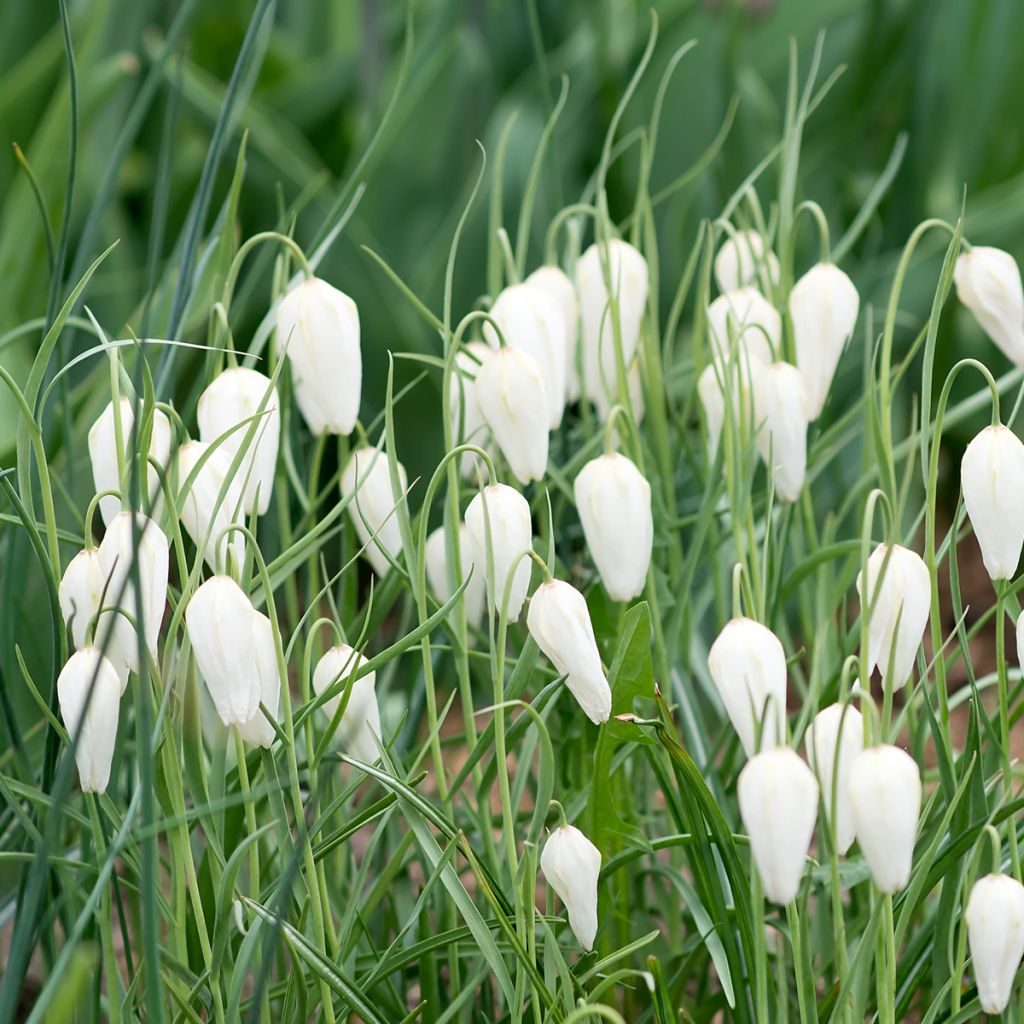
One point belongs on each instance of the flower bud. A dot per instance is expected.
(781, 419)
(995, 932)
(258, 730)
(475, 595)
(559, 620)
(204, 515)
(748, 667)
(504, 514)
(988, 284)
(234, 397)
(530, 320)
(513, 399)
(103, 454)
(318, 328)
(468, 424)
(778, 797)
(89, 694)
(571, 864)
(614, 503)
(559, 287)
(823, 306)
(80, 593)
(900, 606)
(359, 728)
(744, 259)
(992, 478)
(614, 269)
(834, 740)
(712, 400)
(885, 794)
(745, 321)
(374, 507)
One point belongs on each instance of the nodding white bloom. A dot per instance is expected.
(778, 797)
(712, 399)
(988, 284)
(614, 502)
(899, 612)
(743, 259)
(318, 328)
(258, 729)
(559, 287)
(204, 515)
(80, 592)
(475, 595)
(468, 422)
(359, 728)
(834, 740)
(531, 321)
(571, 864)
(89, 694)
(605, 271)
(781, 419)
(234, 397)
(374, 507)
(992, 478)
(513, 398)
(823, 306)
(1020, 638)
(507, 514)
(748, 667)
(559, 620)
(103, 453)
(745, 320)
(995, 932)
(885, 794)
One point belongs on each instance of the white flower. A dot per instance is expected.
(80, 592)
(748, 667)
(778, 797)
(614, 503)
(89, 694)
(571, 864)
(318, 327)
(374, 507)
(781, 419)
(507, 513)
(558, 285)
(359, 728)
(605, 402)
(834, 740)
(205, 516)
(988, 284)
(995, 932)
(234, 397)
(475, 596)
(746, 321)
(258, 730)
(468, 422)
(743, 259)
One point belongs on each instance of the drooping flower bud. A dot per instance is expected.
(834, 740)
(559, 620)
(988, 284)
(234, 397)
(778, 797)
(744, 259)
(823, 306)
(995, 932)
(901, 603)
(614, 503)
(205, 516)
(885, 794)
(748, 667)
(512, 396)
(103, 454)
(318, 327)
(80, 592)
(258, 730)
(571, 864)
(475, 596)
(504, 513)
(89, 694)
(359, 728)
(559, 287)
(781, 419)
(712, 400)
(374, 507)
(468, 424)
(744, 321)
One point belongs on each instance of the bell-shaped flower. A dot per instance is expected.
(89, 694)
(778, 797)
(988, 284)
(571, 864)
(443, 586)
(359, 728)
(995, 933)
(512, 395)
(992, 478)
(834, 740)
(885, 795)
(712, 400)
(375, 506)
(559, 287)
(468, 424)
(900, 605)
(498, 519)
(744, 259)
(744, 322)
(559, 621)
(781, 420)
(80, 593)
(103, 454)
(318, 328)
(234, 397)
(823, 306)
(748, 667)
(212, 504)
(614, 503)
(258, 730)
